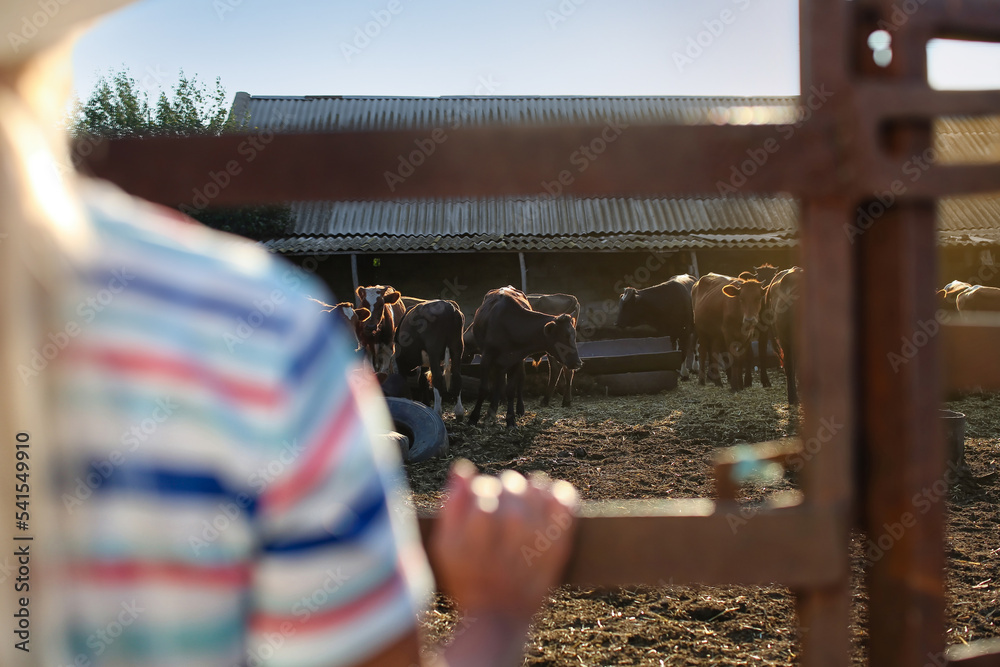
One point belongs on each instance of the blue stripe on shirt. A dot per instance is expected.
(357, 525)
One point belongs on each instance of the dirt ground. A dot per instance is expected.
(662, 446)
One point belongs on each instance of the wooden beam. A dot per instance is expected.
(630, 161)
(982, 653)
(661, 542)
(971, 351)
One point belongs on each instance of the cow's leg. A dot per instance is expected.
(703, 366)
(498, 379)
(684, 343)
(453, 377)
(555, 369)
(788, 356)
(717, 359)
(762, 341)
(515, 382)
(568, 394)
(437, 378)
(484, 385)
(692, 348)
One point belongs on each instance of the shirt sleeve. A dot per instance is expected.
(341, 572)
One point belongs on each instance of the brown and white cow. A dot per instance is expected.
(949, 295)
(726, 316)
(353, 318)
(379, 332)
(979, 299)
(557, 304)
(430, 336)
(507, 330)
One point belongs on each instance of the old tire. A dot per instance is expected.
(427, 434)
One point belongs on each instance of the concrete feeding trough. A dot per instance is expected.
(621, 366)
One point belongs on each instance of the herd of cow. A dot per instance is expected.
(403, 335)
(723, 316)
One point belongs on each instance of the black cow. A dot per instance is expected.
(763, 274)
(557, 304)
(430, 336)
(507, 330)
(667, 308)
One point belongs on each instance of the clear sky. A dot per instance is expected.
(468, 47)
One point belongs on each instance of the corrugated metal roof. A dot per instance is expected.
(967, 139)
(322, 114)
(585, 224)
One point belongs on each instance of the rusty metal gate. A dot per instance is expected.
(869, 284)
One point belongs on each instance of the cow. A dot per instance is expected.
(764, 273)
(430, 336)
(667, 308)
(949, 295)
(353, 318)
(379, 332)
(726, 314)
(507, 330)
(779, 313)
(979, 299)
(557, 304)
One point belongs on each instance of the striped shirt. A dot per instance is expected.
(226, 502)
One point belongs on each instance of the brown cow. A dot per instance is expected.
(779, 312)
(507, 330)
(379, 332)
(979, 299)
(557, 304)
(353, 318)
(726, 314)
(764, 273)
(949, 295)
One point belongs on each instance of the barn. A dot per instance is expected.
(459, 249)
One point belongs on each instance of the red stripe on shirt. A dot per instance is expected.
(314, 467)
(146, 363)
(373, 599)
(136, 572)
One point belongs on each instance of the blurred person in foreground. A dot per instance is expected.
(197, 496)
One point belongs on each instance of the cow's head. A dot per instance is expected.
(560, 339)
(749, 295)
(627, 310)
(765, 273)
(375, 299)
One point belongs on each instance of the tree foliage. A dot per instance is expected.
(119, 106)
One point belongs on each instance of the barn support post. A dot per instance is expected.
(354, 271)
(694, 265)
(524, 273)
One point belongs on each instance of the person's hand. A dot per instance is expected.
(501, 544)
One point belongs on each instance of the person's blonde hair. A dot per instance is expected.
(40, 221)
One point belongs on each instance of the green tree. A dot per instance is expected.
(120, 107)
